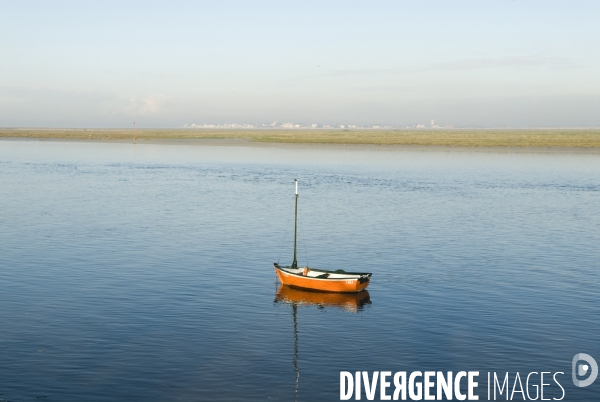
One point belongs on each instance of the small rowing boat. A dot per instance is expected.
(319, 279)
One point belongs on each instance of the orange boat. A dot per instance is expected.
(319, 279)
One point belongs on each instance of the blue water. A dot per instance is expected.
(145, 273)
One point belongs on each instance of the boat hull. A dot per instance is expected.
(344, 285)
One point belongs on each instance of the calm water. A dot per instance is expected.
(146, 274)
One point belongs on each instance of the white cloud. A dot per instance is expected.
(149, 105)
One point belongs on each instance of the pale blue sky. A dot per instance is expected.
(166, 64)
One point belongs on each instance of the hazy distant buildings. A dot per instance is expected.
(194, 125)
(291, 125)
(433, 125)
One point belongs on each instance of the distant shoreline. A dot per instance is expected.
(534, 140)
(246, 143)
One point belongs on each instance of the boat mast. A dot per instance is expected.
(295, 263)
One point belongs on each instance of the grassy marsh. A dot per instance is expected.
(580, 138)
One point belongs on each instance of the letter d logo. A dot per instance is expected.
(582, 369)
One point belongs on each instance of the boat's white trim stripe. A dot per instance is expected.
(349, 280)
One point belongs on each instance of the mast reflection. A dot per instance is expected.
(349, 302)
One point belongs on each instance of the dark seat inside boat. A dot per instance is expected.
(322, 276)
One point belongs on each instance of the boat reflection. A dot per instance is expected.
(350, 302)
